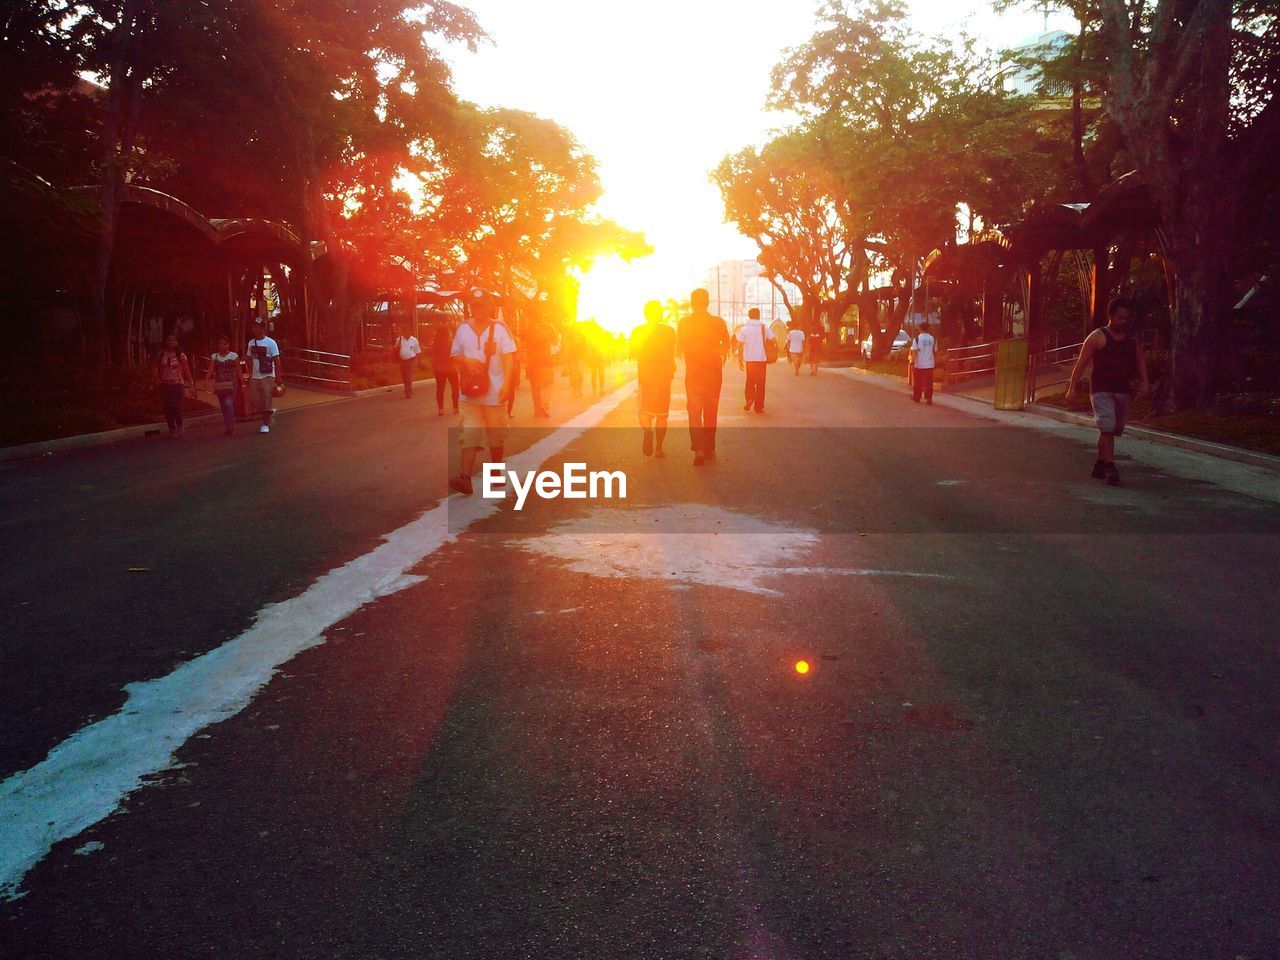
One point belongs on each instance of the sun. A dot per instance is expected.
(614, 292)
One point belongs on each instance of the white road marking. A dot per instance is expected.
(741, 556)
(623, 543)
(87, 776)
(865, 572)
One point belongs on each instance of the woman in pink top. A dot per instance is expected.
(173, 375)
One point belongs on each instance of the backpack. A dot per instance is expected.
(475, 383)
(770, 346)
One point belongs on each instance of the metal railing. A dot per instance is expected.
(316, 368)
(975, 360)
(1061, 359)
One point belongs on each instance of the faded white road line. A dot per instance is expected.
(725, 548)
(86, 777)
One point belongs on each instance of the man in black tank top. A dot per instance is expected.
(1117, 361)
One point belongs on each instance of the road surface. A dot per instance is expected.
(369, 722)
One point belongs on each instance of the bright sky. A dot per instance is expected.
(659, 92)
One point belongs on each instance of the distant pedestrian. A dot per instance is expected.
(483, 350)
(442, 366)
(264, 373)
(1117, 360)
(406, 350)
(755, 341)
(594, 353)
(173, 376)
(813, 340)
(574, 349)
(923, 355)
(540, 364)
(703, 340)
(653, 346)
(224, 371)
(795, 348)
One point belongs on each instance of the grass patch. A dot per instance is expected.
(49, 404)
(1253, 431)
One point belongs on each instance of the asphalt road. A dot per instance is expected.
(1040, 719)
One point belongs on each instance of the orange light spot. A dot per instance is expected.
(802, 666)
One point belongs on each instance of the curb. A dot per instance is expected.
(1208, 447)
(1222, 451)
(85, 441)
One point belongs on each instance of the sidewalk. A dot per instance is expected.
(1247, 472)
(295, 398)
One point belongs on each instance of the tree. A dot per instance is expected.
(904, 129)
(787, 198)
(1193, 92)
(518, 195)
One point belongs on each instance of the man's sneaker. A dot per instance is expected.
(1099, 470)
(461, 484)
(1113, 475)
(264, 429)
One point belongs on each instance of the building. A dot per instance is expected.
(738, 285)
(1023, 79)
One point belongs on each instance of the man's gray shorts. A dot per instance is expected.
(1110, 411)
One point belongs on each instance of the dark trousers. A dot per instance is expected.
(227, 404)
(704, 406)
(922, 381)
(407, 368)
(757, 371)
(446, 377)
(172, 394)
(540, 380)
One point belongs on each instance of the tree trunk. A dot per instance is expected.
(1202, 356)
(112, 160)
(1077, 118)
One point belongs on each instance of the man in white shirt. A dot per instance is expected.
(752, 335)
(795, 348)
(923, 349)
(407, 349)
(264, 371)
(482, 344)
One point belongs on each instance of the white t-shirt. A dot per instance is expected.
(751, 335)
(409, 347)
(266, 348)
(924, 345)
(795, 341)
(468, 343)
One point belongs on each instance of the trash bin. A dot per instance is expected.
(1011, 374)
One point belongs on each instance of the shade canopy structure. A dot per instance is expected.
(985, 265)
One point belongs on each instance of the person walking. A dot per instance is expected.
(752, 336)
(703, 340)
(224, 371)
(483, 350)
(653, 347)
(406, 350)
(795, 348)
(594, 346)
(573, 357)
(923, 355)
(1117, 360)
(540, 364)
(173, 377)
(442, 366)
(813, 340)
(264, 372)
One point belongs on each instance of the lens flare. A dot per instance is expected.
(802, 666)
